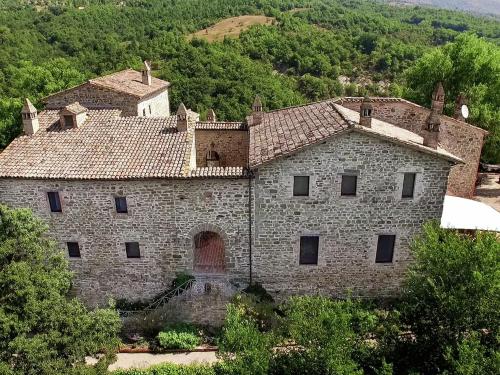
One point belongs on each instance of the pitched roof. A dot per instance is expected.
(75, 108)
(105, 147)
(288, 130)
(129, 81)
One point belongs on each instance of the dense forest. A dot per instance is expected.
(314, 49)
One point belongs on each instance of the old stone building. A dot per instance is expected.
(323, 197)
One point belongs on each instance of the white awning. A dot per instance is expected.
(461, 213)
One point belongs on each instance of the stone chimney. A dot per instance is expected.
(431, 130)
(461, 101)
(73, 116)
(29, 115)
(365, 113)
(146, 73)
(211, 116)
(182, 118)
(257, 113)
(438, 98)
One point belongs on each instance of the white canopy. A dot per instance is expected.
(461, 213)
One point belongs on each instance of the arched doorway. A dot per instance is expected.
(208, 253)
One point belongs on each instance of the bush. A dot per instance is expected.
(179, 336)
(169, 369)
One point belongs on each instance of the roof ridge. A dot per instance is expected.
(300, 105)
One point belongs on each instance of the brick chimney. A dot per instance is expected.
(146, 73)
(461, 101)
(365, 113)
(211, 116)
(431, 130)
(438, 98)
(257, 113)
(73, 115)
(29, 115)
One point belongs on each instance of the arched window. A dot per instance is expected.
(208, 253)
(213, 159)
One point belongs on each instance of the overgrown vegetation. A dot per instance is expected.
(42, 330)
(55, 44)
(179, 336)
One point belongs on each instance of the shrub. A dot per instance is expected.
(179, 336)
(169, 369)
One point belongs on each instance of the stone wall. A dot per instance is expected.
(457, 137)
(164, 216)
(158, 105)
(348, 227)
(94, 97)
(231, 145)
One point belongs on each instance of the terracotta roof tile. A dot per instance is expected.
(219, 172)
(104, 147)
(219, 125)
(129, 81)
(287, 130)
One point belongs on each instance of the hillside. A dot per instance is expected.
(476, 6)
(311, 50)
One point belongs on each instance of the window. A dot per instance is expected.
(73, 249)
(68, 121)
(121, 205)
(309, 249)
(300, 186)
(150, 109)
(408, 185)
(132, 249)
(144, 111)
(385, 248)
(349, 185)
(54, 201)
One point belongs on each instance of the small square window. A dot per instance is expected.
(54, 201)
(300, 186)
(73, 249)
(385, 248)
(68, 121)
(132, 249)
(121, 205)
(309, 249)
(408, 185)
(349, 185)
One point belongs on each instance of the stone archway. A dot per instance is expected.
(209, 253)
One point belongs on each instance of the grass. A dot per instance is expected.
(231, 27)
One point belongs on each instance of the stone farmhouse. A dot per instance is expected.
(323, 197)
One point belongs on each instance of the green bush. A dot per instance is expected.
(169, 369)
(179, 336)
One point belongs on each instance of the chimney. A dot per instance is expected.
(72, 116)
(257, 112)
(438, 98)
(365, 113)
(182, 118)
(459, 103)
(146, 73)
(431, 130)
(211, 116)
(29, 115)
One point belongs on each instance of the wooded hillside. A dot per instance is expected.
(313, 46)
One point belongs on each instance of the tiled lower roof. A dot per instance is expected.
(104, 147)
(219, 172)
(206, 125)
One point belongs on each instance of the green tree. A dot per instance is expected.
(469, 65)
(42, 331)
(451, 295)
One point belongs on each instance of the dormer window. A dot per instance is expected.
(69, 121)
(73, 116)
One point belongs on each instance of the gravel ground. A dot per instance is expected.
(489, 190)
(142, 360)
